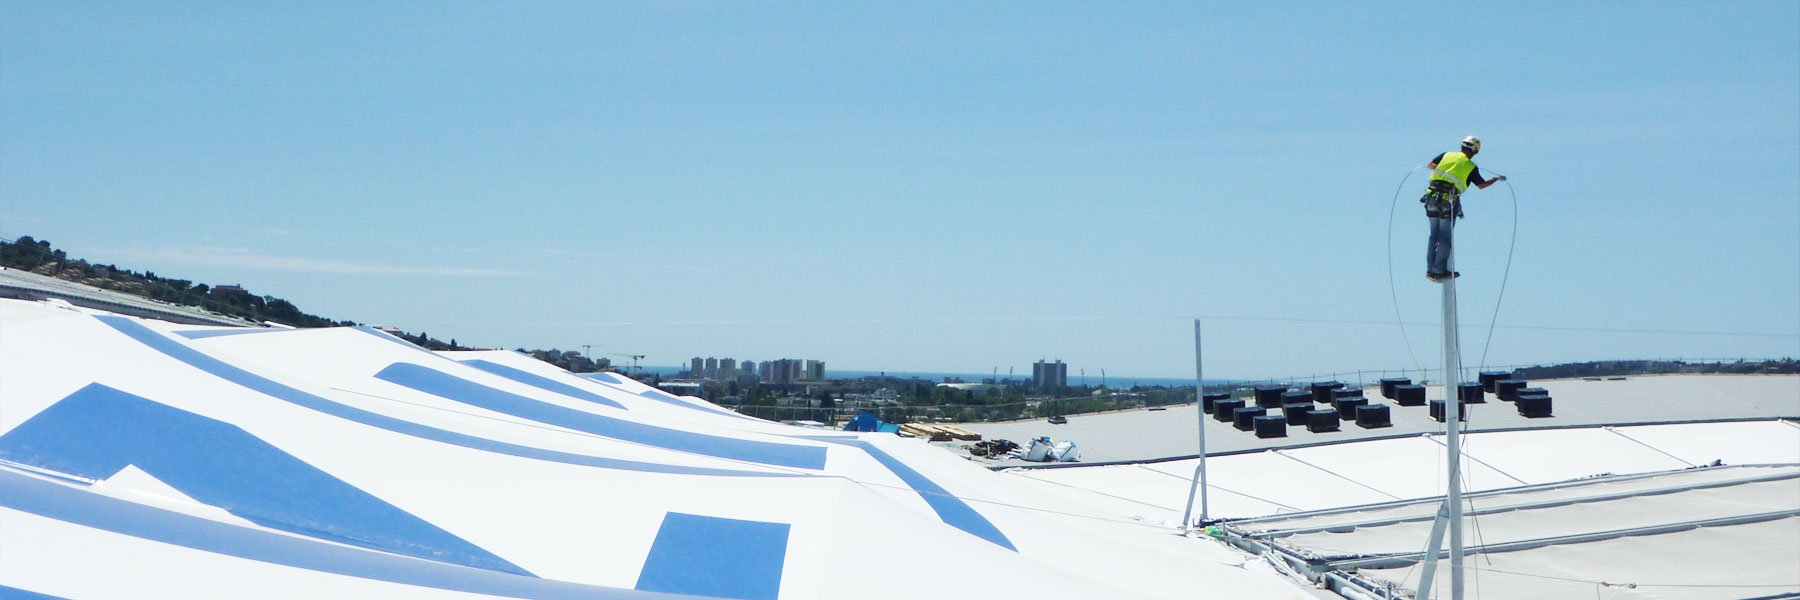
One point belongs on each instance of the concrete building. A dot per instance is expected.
(1049, 374)
(696, 367)
(728, 369)
(712, 368)
(815, 370)
(786, 370)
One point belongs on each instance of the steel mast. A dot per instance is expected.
(1450, 513)
(1199, 482)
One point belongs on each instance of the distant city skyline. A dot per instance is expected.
(934, 187)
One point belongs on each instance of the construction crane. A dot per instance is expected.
(634, 360)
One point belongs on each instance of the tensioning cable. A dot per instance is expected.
(1392, 293)
(1505, 275)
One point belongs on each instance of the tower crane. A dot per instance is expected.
(634, 360)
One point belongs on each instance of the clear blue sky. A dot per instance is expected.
(931, 187)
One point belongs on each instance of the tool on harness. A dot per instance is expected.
(1442, 200)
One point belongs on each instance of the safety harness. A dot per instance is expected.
(1443, 199)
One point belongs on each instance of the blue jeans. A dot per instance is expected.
(1437, 249)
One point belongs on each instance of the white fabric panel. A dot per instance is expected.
(1277, 479)
(563, 522)
(1412, 467)
(1127, 489)
(1751, 443)
(1756, 560)
(71, 561)
(1251, 485)
(1549, 494)
(1562, 520)
(1544, 456)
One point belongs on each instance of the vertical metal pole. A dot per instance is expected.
(1451, 512)
(1453, 428)
(1199, 482)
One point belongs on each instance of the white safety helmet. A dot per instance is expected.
(1472, 144)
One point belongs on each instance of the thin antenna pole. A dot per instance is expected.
(1199, 482)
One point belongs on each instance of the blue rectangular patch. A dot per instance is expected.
(712, 556)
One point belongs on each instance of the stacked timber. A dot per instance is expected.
(960, 433)
(939, 433)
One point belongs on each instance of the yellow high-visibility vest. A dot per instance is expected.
(1455, 168)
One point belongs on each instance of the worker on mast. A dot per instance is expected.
(1451, 174)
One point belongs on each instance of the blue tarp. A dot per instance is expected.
(866, 421)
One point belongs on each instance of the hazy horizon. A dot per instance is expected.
(939, 187)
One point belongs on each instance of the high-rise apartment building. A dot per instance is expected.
(785, 370)
(1049, 374)
(782, 370)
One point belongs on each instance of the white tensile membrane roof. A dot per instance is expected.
(1680, 510)
(1713, 532)
(142, 457)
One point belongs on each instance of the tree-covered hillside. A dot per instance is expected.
(38, 256)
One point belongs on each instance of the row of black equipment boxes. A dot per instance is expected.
(1276, 407)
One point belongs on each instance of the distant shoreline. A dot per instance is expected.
(1074, 380)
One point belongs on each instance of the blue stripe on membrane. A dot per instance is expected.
(223, 370)
(445, 385)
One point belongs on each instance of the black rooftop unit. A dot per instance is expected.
(1271, 426)
(1488, 378)
(1207, 400)
(1533, 406)
(1372, 416)
(1508, 389)
(1296, 412)
(1296, 397)
(1437, 412)
(1324, 419)
(1389, 383)
(1222, 409)
(1346, 407)
(1244, 418)
(1409, 395)
(1268, 395)
(1523, 392)
(1347, 393)
(1471, 393)
(1321, 390)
